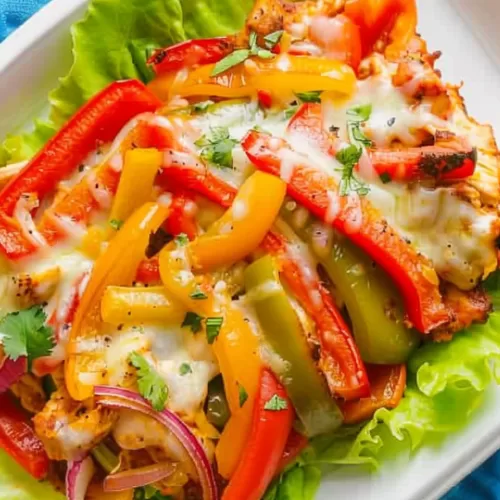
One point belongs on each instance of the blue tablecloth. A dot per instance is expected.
(482, 484)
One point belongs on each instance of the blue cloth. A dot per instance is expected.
(482, 484)
(13, 13)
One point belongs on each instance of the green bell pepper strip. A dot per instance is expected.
(217, 408)
(282, 330)
(373, 302)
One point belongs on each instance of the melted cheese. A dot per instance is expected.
(456, 237)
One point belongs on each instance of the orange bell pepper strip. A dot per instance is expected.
(271, 426)
(395, 18)
(354, 217)
(387, 383)
(282, 75)
(238, 232)
(116, 266)
(18, 439)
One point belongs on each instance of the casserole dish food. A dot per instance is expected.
(290, 232)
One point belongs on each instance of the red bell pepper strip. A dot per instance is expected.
(362, 224)
(149, 271)
(451, 160)
(187, 54)
(428, 162)
(181, 218)
(265, 98)
(294, 446)
(340, 360)
(19, 440)
(387, 383)
(268, 437)
(99, 120)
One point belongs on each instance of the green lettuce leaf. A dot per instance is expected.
(112, 43)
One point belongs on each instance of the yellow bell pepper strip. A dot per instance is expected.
(122, 304)
(136, 183)
(281, 327)
(238, 232)
(116, 266)
(281, 75)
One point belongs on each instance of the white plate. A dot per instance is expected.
(467, 33)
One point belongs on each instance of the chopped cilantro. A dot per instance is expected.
(273, 39)
(241, 55)
(151, 386)
(276, 403)
(213, 326)
(360, 113)
(385, 177)
(192, 320)
(181, 240)
(242, 394)
(184, 369)
(202, 106)
(116, 224)
(312, 96)
(290, 111)
(217, 147)
(24, 333)
(198, 295)
(349, 157)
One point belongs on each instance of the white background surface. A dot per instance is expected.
(468, 33)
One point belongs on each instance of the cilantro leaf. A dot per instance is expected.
(192, 320)
(276, 403)
(290, 111)
(151, 386)
(213, 326)
(181, 240)
(241, 55)
(231, 60)
(198, 295)
(217, 147)
(116, 224)
(360, 113)
(242, 395)
(273, 39)
(312, 96)
(24, 333)
(202, 106)
(184, 369)
(385, 177)
(349, 157)
(149, 492)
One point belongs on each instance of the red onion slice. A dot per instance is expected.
(135, 478)
(113, 397)
(78, 478)
(11, 371)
